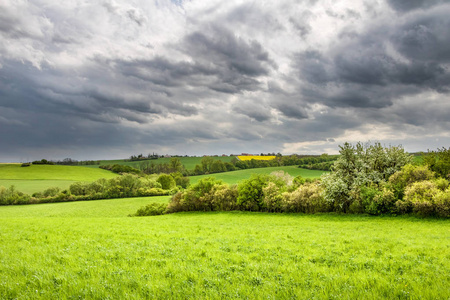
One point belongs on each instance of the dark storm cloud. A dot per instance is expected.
(408, 5)
(425, 37)
(218, 60)
(228, 53)
(292, 110)
(362, 72)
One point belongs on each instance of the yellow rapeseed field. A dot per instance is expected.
(255, 157)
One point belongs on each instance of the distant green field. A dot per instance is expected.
(40, 177)
(188, 162)
(91, 250)
(32, 186)
(110, 208)
(236, 176)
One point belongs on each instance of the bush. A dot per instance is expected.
(152, 209)
(50, 192)
(120, 169)
(10, 196)
(442, 203)
(272, 198)
(167, 182)
(208, 194)
(421, 195)
(251, 192)
(439, 161)
(307, 199)
(180, 180)
(377, 200)
(406, 176)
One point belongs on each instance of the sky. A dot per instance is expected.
(109, 79)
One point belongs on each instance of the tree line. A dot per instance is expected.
(369, 179)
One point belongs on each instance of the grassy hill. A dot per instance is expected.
(39, 177)
(236, 176)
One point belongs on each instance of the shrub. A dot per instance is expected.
(50, 192)
(225, 197)
(442, 203)
(77, 188)
(167, 182)
(441, 183)
(406, 176)
(421, 195)
(272, 198)
(10, 196)
(307, 199)
(251, 192)
(208, 194)
(439, 161)
(120, 169)
(152, 209)
(377, 200)
(180, 180)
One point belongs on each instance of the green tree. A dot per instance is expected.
(359, 166)
(217, 166)
(176, 165)
(206, 163)
(167, 182)
(251, 192)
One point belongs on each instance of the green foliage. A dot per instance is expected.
(152, 209)
(122, 186)
(439, 161)
(207, 195)
(180, 180)
(407, 176)
(120, 169)
(307, 198)
(421, 195)
(442, 203)
(167, 182)
(42, 162)
(10, 196)
(251, 192)
(359, 166)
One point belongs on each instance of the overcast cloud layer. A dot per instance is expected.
(108, 79)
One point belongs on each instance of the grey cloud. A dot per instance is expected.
(219, 61)
(424, 37)
(254, 111)
(292, 110)
(408, 5)
(218, 46)
(252, 16)
(361, 72)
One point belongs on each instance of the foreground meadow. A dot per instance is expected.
(92, 250)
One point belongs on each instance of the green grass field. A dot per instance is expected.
(91, 250)
(236, 176)
(188, 162)
(37, 178)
